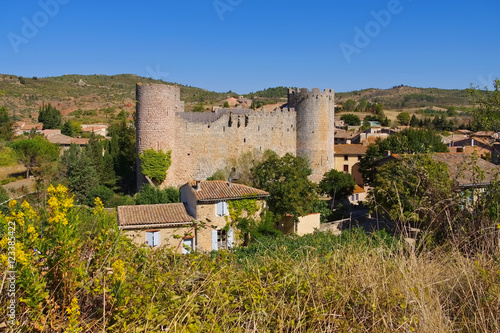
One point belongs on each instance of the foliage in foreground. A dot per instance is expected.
(76, 272)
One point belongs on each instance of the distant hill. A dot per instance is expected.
(98, 96)
(69, 93)
(403, 97)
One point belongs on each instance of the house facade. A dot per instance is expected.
(347, 158)
(158, 225)
(210, 203)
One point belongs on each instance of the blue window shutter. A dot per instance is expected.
(225, 210)
(149, 238)
(214, 240)
(219, 209)
(230, 237)
(156, 240)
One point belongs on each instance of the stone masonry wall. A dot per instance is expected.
(202, 143)
(315, 128)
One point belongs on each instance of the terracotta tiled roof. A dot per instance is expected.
(55, 136)
(352, 149)
(359, 189)
(214, 190)
(460, 165)
(342, 134)
(163, 215)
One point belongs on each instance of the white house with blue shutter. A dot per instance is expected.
(208, 201)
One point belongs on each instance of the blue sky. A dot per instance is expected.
(248, 45)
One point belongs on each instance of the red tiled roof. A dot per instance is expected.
(460, 168)
(358, 189)
(352, 149)
(163, 215)
(213, 190)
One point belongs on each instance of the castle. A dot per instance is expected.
(202, 143)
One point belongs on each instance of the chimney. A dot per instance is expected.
(197, 186)
(495, 153)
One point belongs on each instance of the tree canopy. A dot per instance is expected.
(412, 189)
(404, 118)
(408, 141)
(351, 119)
(487, 112)
(285, 178)
(338, 185)
(50, 117)
(34, 152)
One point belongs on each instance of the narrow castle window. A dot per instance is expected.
(258, 128)
(245, 140)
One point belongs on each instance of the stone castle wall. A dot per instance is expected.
(315, 127)
(202, 143)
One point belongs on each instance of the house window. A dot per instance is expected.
(153, 238)
(187, 245)
(346, 168)
(359, 157)
(222, 208)
(346, 158)
(222, 239)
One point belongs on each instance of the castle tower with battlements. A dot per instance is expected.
(202, 143)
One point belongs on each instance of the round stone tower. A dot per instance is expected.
(155, 119)
(315, 113)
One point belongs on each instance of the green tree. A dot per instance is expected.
(226, 104)
(414, 121)
(351, 119)
(338, 185)
(362, 105)
(67, 129)
(413, 190)
(83, 178)
(123, 151)
(49, 116)
(285, 178)
(487, 112)
(199, 108)
(349, 105)
(404, 118)
(34, 152)
(151, 195)
(6, 131)
(154, 165)
(408, 141)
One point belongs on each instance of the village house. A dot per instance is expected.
(201, 222)
(56, 137)
(21, 127)
(347, 159)
(167, 225)
(97, 129)
(210, 202)
(302, 226)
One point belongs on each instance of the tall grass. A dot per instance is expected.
(355, 282)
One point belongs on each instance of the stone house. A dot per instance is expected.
(305, 224)
(347, 159)
(209, 202)
(158, 225)
(200, 222)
